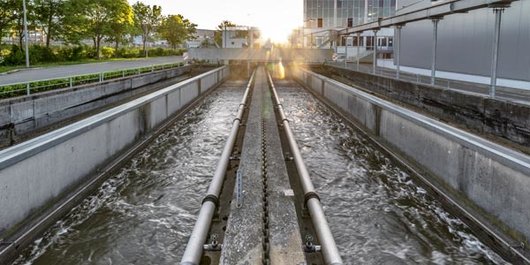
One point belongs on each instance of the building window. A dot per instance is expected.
(320, 23)
(350, 22)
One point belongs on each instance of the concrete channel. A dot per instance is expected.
(488, 184)
(23, 117)
(43, 177)
(261, 214)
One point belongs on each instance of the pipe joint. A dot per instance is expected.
(211, 198)
(310, 195)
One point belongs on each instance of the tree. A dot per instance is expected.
(146, 20)
(176, 29)
(121, 27)
(8, 15)
(18, 24)
(219, 33)
(49, 15)
(94, 19)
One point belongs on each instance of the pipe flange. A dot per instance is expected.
(310, 195)
(211, 198)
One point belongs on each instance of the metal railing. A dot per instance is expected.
(468, 86)
(43, 85)
(330, 252)
(194, 248)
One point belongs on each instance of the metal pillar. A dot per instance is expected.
(358, 49)
(434, 48)
(346, 51)
(398, 49)
(26, 40)
(224, 36)
(375, 52)
(334, 13)
(495, 56)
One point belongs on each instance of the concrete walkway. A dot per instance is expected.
(81, 69)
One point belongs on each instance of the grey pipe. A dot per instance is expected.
(194, 248)
(330, 253)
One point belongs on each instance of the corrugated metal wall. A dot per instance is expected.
(465, 43)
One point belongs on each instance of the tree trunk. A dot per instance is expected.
(98, 47)
(94, 39)
(48, 39)
(49, 32)
(145, 43)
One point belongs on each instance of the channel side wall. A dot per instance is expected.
(491, 176)
(23, 115)
(504, 121)
(41, 171)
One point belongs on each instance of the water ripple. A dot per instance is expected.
(377, 213)
(145, 213)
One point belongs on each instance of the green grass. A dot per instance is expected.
(4, 69)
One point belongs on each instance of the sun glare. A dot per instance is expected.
(277, 32)
(276, 18)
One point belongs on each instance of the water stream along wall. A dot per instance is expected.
(145, 213)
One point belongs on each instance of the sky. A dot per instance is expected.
(275, 18)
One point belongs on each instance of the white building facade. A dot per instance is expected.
(323, 17)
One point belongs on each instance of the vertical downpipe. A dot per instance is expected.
(434, 49)
(495, 56)
(398, 50)
(374, 43)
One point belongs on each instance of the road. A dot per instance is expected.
(81, 69)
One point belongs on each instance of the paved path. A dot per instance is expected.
(80, 69)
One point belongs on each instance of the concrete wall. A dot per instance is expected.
(465, 42)
(23, 115)
(262, 54)
(505, 121)
(492, 177)
(38, 172)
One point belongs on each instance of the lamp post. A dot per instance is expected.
(26, 40)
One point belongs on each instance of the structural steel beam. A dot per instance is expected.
(435, 10)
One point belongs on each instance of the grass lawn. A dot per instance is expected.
(4, 69)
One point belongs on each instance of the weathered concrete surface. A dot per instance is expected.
(495, 180)
(244, 234)
(261, 54)
(284, 231)
(500, 120)
(36, 174)
(24, 115)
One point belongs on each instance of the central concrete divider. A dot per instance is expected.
(37, 173)
(489, 182)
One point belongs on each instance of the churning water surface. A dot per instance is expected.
(377, 213)
(145, 212)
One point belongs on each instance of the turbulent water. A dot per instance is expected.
(377, 213)
(145, 212)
